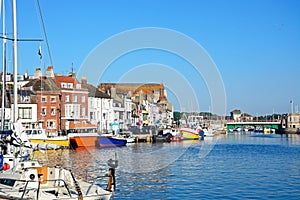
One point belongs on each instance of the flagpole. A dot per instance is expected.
(4, 66)
(292, 105)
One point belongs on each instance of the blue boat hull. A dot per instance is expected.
(111, 142)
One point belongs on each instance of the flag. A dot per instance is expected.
(291, 101)
(40, 52)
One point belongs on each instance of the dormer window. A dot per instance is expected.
(63, 85)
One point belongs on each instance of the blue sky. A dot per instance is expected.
(254, 44)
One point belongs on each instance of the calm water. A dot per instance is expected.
(225, 167)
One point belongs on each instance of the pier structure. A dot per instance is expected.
(265, 124)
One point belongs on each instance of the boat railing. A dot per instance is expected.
(56, 183)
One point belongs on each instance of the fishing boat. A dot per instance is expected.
(189, 134)
(39, 136)
(108, 141)
(83, 135)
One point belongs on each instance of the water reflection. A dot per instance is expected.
(228, 166)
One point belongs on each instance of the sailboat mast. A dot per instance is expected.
(15, 60)
(4, 66)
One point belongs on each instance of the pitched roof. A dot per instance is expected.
(236, 111)
(135, 88)
(65, 79)
(94, 92)
(246, 115)
(43, 84)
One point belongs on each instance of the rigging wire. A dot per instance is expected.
(44, 31)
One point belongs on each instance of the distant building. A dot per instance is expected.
(246, 117)
(150, 105)
(235, 115)
(291, 121)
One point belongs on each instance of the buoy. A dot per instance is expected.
(6, 166)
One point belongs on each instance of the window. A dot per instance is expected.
(75, 98)
(83, 111)
(53, 111)
(25, 113)
(63, 85)
(44, 111)
(83, 99)
(76, 109)
(53, 99)
(72, 110)
(44, 99)
(51, 124)
(67, 98)
(70, 85)
(92, 115)
(25, 99)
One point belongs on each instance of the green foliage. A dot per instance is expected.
(177, 116)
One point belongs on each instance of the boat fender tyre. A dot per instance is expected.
(32, 176)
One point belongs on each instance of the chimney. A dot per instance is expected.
(113, 92)
(83, 80)
(72, 74)
(50, 72)
(26, 75)
(37, 73)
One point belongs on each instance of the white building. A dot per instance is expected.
(100, 107)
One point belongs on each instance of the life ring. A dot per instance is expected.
(32, 176)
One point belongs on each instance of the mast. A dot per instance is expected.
(15, 60)
(4, 67)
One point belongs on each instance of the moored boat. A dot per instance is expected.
(83, 135)
(189, 134)
(125, 134)
(106, 141)
(39, 136)
(30, 180)
(22, 178)
(208, 132)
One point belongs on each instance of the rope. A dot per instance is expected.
(44, 30)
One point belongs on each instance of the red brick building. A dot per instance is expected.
(47, 99)
(74, 99)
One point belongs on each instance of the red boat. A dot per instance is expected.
(83, 135)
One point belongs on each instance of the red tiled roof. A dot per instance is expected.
(66, 79)
(236, 111)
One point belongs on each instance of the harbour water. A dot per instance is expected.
(251, 166)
